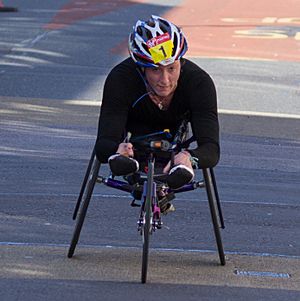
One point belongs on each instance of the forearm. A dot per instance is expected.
(105, 148)
(208, 154)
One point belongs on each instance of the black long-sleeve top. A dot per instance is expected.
(127, 107)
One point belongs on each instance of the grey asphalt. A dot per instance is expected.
(50, 86)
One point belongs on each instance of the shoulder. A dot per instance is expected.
(194, 78)
(192, 70)
(122, 84)
(124, 69)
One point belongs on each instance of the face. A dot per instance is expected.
(163, 79)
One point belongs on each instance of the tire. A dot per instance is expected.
(83, 210)
(147, 224)
(83, 186)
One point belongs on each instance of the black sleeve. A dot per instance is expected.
(204, 120)
(113, 116)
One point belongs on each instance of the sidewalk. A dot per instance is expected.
(122, 264)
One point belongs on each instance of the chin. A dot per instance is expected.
(163, 93)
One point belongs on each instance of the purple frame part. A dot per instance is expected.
(124, 186)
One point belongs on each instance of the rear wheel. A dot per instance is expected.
(216, 220)
(84, 207)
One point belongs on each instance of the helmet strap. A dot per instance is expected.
(141, 72)
(158, 100)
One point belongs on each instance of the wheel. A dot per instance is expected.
(147, 220)
(214, 213)
(83, 186)
(83, 210)
(217, 198)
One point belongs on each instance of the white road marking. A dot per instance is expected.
(259, 114)
(178, 250)
(33, 194)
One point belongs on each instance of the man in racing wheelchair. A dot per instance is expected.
(152, 90)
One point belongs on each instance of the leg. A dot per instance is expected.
(84, 207)
(214, 212)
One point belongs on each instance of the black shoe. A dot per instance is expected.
(169, 208)
(122, 166)
(164, 203)
(166, 208)
(179, 175)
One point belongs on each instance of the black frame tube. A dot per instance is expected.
(83, 185)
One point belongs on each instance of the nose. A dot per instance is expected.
(164, 77)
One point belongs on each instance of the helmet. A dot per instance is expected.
(156, 42)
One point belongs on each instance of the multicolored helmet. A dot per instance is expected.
(156, 42)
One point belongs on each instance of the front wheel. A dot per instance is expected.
(147, 223)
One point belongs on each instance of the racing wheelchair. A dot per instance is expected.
(148, 187)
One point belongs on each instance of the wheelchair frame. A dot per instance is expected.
(92, 177)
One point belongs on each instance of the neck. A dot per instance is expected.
(163, 102)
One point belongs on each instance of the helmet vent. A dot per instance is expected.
(175, 42)
(164, 25)
(145, 33)
(151, 23)
(145, 48)
(148, 34)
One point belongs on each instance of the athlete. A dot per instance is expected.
(151, 91)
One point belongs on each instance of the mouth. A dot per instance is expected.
(163, 87)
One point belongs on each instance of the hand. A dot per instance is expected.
(181, 158)
(125, 149)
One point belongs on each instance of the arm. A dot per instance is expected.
(204, 122)
(200, 93)
(113, 116)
